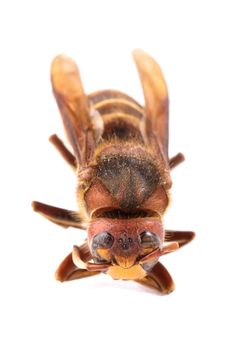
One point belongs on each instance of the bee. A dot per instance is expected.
(120, 158)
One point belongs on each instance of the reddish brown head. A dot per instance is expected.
(124, 241)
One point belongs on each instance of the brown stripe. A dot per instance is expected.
(123, 116)
(121, 127)
(102, 95)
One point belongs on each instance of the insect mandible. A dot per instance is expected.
(120, 157)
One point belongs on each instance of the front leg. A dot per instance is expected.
(155, 254)
(68, 271)
(89, 266)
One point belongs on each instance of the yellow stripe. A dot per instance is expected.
(116, 101)
(114, 115)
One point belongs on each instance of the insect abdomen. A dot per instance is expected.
(120, 113)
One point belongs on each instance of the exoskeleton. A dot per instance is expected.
(120, 157)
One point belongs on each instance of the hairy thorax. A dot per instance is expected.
(124, 177)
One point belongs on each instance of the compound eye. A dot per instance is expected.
(103, 240)
(148, 239)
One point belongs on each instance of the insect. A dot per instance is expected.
(120, 157)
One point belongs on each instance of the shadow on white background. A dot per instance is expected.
(192, 41)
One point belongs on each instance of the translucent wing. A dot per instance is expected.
(73, 106)
(156, 99)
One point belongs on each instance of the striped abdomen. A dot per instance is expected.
(120, 113)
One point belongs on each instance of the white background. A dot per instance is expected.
(192, 41)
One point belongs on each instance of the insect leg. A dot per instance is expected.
(68, 271)
(66, 154)
(181, 237)
(176, 160)
(159, 278)
(98, 267)
(154, 255)
(84, 264)
(59, 216)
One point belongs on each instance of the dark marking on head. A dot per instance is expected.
(125, 242)
(149, 240)
(102, 240)
(121, 214)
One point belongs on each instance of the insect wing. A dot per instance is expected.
(74, 108)
(156, 98)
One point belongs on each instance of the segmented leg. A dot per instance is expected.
(66, 154)
(98, 267)
(59, 216)
(68, 271)
(176, 160)
(169, 248)
(159, 278)
(80, 263)
(181, 237)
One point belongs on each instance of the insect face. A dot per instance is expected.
(124, 242)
